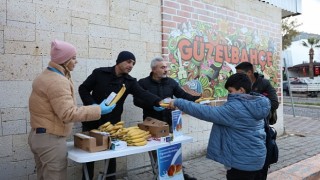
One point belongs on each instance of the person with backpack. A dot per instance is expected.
(237, 139)
(262, 86)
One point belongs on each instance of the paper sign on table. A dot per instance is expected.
(176, 123)
(170, 162)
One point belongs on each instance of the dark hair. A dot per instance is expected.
(237, 81)
(245, 66)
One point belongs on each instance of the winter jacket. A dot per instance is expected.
(237, 138)
(52, 103)
(264, 87)
(101, 83)
(167, 87)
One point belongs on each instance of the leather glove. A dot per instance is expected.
(156, 108)
(106, 109)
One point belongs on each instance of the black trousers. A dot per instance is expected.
(111, 169)
(263, 173)
(236, 174)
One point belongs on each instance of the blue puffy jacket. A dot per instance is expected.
(237, 138)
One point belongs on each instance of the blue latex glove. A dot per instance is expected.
(106, 109)
(156, 108)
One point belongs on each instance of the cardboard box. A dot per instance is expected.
(92, 141)
(118, 145)
(217, 102)
(156, 127)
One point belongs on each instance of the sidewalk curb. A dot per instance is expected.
(301, 105)
(308, 169)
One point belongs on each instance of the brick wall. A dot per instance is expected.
(237, 27)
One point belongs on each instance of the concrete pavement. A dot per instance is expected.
(299, 155)
(301, 141)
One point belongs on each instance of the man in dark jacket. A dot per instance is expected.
(101, 83)
(259, 84)
(262, 86)
(159, 84)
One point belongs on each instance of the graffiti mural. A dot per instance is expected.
(202, 56)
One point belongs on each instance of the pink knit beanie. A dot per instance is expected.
(61, 51)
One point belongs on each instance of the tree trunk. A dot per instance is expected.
(311, 53)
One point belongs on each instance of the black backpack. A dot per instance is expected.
(271, 145)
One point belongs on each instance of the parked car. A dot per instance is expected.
(302, 85)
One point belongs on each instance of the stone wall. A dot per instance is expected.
(99, 29)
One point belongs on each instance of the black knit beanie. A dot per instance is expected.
(125, 55)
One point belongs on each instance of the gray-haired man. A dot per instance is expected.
(160, 84)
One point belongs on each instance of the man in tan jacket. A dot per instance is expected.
(53, 109)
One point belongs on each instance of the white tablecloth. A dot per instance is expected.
(82, 156)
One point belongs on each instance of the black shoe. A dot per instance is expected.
(187, 177)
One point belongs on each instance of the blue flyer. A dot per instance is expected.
(176, 123)
(170, 162)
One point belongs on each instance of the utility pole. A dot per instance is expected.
(290, 93)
